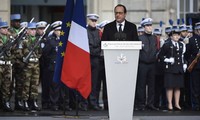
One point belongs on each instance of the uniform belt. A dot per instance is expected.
(5, 62)
(33, 59)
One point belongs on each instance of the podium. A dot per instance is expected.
(121, 64)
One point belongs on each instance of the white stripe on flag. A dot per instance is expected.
(78, 36)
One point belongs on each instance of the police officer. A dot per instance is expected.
(159, 75)
(18, 75)
(193, 48)
(40, 26)
(5, 68)
(172, 53)
(58, 93)
(23, 24)
(190, 31)
(95, 49)
(185, 100)
(140, 30)
(168, 30)
(31, 70)
(102, 76)
(184, 33)
(51, 88)
(146, 69)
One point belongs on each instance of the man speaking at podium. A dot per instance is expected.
(120, 29)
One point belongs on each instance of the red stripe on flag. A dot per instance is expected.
(76, 72)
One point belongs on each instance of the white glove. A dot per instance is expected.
(169, 60)
(166, 60)
(184, 67)
(186, 40)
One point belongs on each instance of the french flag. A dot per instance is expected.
(76, 70)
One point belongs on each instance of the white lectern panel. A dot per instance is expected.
(121, 72)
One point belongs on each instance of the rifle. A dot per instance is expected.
(13, 41)
(32, 49)
(194, 62)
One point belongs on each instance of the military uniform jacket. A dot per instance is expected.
(169, 50)
(94, 41)
(14, 31)
(149, 50)
(3, 40)
(28, 44)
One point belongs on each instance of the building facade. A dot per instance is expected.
(52, 10)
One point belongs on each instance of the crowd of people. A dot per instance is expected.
(163, 79)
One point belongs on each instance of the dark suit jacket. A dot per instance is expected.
(110, 30)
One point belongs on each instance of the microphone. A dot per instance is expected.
(120, 36)
(123, 36)
(117, 36)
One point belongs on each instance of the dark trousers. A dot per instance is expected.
(102, 79)
(195, 88)
(185, 97)
(93, 100)
(46, 82)
(56, 94)
(146, 77)
(160, 92)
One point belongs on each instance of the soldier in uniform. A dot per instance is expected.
(5, 68)
(31, 70)
(172, 54)
(146, 68)
(193, 48)
(17, 62)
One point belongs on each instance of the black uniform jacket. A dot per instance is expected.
(149, 50)
(169, 50)
(50, 52)
(110, 30)
(192, 49)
